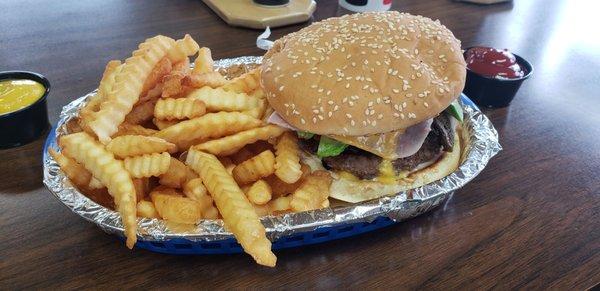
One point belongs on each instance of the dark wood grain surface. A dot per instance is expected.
(530, 220)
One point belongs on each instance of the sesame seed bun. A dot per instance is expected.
(364, 73)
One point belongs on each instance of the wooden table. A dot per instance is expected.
(530, 220)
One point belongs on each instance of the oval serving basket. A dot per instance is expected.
(288, 230)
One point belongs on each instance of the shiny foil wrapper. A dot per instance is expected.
(480, 145)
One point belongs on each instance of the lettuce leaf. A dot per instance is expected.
(305, 134)
(330, 147)
(455, 110)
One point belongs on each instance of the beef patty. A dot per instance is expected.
(365, 165)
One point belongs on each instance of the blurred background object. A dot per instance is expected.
(484, 1)
(259, 14)
(366, 5)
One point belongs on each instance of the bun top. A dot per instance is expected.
(364, 73)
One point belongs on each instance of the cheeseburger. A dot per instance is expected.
(372, 97)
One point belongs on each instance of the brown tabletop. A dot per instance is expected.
(530, 220)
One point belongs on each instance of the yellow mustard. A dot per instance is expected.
(18, 94)
(387, 175)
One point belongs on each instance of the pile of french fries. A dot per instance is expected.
(169, 142)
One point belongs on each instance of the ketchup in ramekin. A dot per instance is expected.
(495, 63)
(494, 75)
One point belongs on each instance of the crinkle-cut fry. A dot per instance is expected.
(137, 145)
(195, 189)
(210, 79)
(151, 95)
(325, 203)
(128, 86)
(217, 99)
(260, 166)
(162, 124)
(95, 184)
(181, 108)
(148, 165)
(204, 62)
(172, 206)
(238, 214)
(134, 129)
(141, 113)
(281, 188)
(230, 144)
(88, 112)
(258, 93)
(259, 193)
(211, 125)
(76, 172)
(262, 210)
(258, 111)
(182, 49)
(280, 204)
(108, 77)
(91, 154)
(245, 83)
(287, 158)
(146, 209)
(177, 175)
(211, 213)
(313, 191)
(173, 85)
(142, 187)
(163, 67)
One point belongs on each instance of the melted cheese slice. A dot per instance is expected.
(383, 145)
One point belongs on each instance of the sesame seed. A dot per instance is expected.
(347, 85)
(348, 115)
(302, 121)
(281, 88)
(395, 90)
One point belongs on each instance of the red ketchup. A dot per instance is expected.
(493, 63)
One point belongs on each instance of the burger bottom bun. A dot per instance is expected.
(356, 190)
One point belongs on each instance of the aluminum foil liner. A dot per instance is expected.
(481, 140)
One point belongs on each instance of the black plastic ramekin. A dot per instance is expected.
(493, 92)
(26, 124)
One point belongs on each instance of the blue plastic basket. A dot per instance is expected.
(181, 246)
